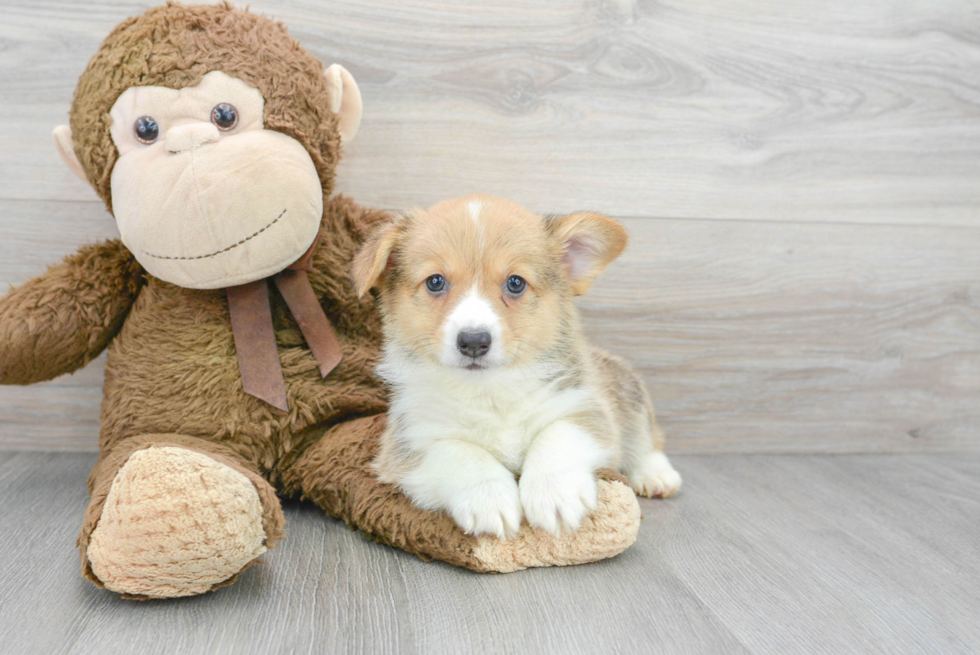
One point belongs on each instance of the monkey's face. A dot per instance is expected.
(204, 196)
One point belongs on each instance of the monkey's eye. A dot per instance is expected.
(516, 285)
(146, 129)
(225, 116)
(435, 283)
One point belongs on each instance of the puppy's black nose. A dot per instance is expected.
(473, 344)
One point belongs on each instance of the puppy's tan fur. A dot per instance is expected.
(543, 404)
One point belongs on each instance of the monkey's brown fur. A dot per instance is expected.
(175, 46)
(172, 377)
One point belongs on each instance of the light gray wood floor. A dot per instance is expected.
(759, 554)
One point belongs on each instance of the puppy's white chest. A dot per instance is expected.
(502, 423)
(501, 414)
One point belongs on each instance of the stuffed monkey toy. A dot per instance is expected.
(240, 359)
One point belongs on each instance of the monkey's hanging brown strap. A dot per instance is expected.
(255, 339)
(294, 285)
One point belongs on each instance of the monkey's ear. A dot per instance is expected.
(66, 148)
(345, 100)
(373, 259)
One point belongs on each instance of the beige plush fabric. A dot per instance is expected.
(345, 100)
(206, 209)
(176, 523)
(608, 531)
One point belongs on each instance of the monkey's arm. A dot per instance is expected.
(57, 322)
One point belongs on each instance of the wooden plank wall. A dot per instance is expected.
(801, 181)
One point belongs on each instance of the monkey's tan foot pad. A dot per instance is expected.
(608, 531)
(175, 523)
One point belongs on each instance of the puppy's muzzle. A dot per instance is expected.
(473, 344)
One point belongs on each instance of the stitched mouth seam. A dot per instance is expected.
(234, 245)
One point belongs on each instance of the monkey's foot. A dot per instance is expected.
(608, 531)
(175, 523)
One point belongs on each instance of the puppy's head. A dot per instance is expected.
(480, 283)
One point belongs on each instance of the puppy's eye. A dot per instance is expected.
(146, 129)
(435, 283)
(516, 285)
(225, 116)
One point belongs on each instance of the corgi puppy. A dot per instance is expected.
(500, 410)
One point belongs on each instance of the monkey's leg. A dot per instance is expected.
(335, 473)
(173, 516)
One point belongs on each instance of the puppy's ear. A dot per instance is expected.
(590, 241)
(372, 259)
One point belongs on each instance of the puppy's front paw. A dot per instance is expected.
(489, 507)
(654, 477)
(554, 500)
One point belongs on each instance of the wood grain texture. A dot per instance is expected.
(803, 332)
(759, 554)
(752, 336)
(764, 337)
(836, 111)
